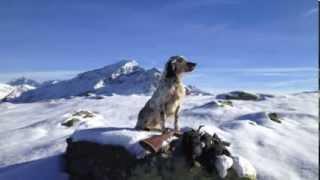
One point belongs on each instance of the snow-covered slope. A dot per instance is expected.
(32, 137)
(124, 77)
(19, 86)
(18, 90)
(49, 82)
(5, 90)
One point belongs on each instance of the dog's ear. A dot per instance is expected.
(170, 69)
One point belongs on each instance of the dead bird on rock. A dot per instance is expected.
(201, 147)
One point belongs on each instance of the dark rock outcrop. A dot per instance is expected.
(274, 117)
(88, 160)
(214, 104)
(91, 160)
(238, 95)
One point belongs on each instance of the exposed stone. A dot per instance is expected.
(84, 114)
(79, 116)
(87, 160)
(214, 104)
(209, 105)
(224, 103)
(70, 122)
(238, 95)
(274, 117)
(93, 160)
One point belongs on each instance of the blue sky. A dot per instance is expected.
(238, 44)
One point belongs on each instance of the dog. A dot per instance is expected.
(166, 100)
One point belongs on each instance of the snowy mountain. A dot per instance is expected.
(17, 87)
(5, 90)
(123, 78)
(24, 81)
(49, 82)
(17, 91)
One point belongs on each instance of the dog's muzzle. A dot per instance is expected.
(191, 66)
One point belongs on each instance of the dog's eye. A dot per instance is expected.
(180, 60)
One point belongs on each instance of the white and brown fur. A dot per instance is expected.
(166, 100)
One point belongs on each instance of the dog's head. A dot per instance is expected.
(178, 65)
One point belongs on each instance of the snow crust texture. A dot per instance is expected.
(32, 137)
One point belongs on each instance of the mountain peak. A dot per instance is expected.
(124, 77)
(24, 81)
(128, 62)
(111, 71)
(124, 63)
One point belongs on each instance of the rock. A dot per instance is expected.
(265, 96)
(223, 164)
(113, 153)
(224, 103)
(209, 105)
(84, 114)
(171, 168)
(214, 104)
(274, 117)
(243, 168)
(89, 160)
(262, 118)
(238, 95)
(70, 122)
(82, 117)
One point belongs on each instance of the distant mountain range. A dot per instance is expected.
(24, 81)
(124, 78)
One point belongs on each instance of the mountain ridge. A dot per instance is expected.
(125, 77)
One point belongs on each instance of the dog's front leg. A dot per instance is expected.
(176, 117)
(162, 119)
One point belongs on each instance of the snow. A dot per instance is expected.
(222, 164)
(99, 85)
(128, 138)
(124, 77)
(5, 90)
(16, 87)
(32, 138)
(19, 90)
(243, 167)
(46, 168)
